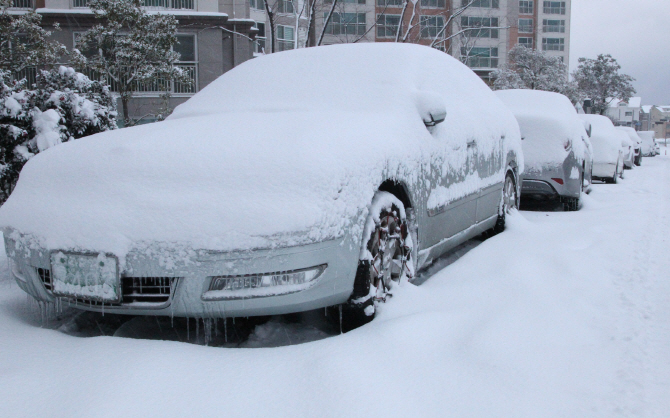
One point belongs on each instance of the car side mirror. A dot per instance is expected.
(431, 107)
(435, 117)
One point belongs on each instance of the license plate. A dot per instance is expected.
(92, 277)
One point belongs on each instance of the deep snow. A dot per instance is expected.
(565, 314)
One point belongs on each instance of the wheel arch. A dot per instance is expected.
(398, 189)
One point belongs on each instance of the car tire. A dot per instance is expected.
(570, 204)
(638, 160)
(383, 268)
(508, 202)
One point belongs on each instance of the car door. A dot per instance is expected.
(490, 160)
(450, 206)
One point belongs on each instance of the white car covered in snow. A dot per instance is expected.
(649, 146)
(290, 183)
(636, 141)
(608, 148)
(558, 162)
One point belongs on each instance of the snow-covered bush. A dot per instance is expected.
(62, 106)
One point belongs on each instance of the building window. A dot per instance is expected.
(433, 4)
(431, 26)
(285, 37)
(488, 4)
(554, 7)
(557, 26)
(284, 6)
(257, 4)
(628, 114)
(527, 42)
(259, 42)
(350, 1)
(188, 63)
(481, 22)
(525, 25)
(480, 57)
(391, 3)
(553, 44)
(346, 24)
(526, 7)
(387, 25)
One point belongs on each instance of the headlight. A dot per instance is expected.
(262, 285)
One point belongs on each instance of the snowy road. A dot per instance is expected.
(563, 315)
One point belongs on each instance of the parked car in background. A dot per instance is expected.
(649, 146)
(628, 149)
(315, 196)
(558, 162)
(607, 148)
(637, 143)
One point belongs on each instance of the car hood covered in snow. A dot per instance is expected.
(232, 170)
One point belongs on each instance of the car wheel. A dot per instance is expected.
(387, 256)
(570, 204)
(638, 160)
(507, 203)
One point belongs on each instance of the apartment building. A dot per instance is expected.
(210, 39)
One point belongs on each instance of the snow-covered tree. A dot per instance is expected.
(130, 48)
(23, 42)
(64, 105)
(535, 70)
(599, 79)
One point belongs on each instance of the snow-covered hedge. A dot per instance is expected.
(62, 106)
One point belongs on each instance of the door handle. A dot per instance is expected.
(472, 143)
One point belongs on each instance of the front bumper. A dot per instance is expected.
(177, 286)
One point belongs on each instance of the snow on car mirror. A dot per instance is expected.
(431, 107)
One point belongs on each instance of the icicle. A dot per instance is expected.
(225, 329)
(197, 329)
(188, 333)
(216, 327)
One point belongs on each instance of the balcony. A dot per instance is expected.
(149, 4)
(23, 4)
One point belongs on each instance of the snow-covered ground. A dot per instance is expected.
(563, 315)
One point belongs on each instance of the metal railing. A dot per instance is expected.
(23, 4)
(158, 85)
(29, 74)
(552, 28)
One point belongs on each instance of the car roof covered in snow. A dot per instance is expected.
(632, 133)
(546, 121)
(294, 141)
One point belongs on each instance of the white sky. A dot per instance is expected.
(635, 32)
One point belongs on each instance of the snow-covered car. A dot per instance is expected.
(607, 148)
(628, 150)
(649, 145)
(292, 182)
(637, 143)
(558, 163)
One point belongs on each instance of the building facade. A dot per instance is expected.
(626, 113)
(209, 40)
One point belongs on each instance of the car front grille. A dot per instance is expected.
(155, 291)
(146, 289)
